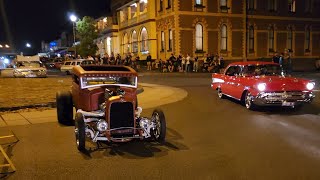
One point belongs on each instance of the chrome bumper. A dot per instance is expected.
(39, 74)
(282, 98)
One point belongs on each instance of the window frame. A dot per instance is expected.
(199, 37)
(134, 44)
(224, 8)
(161, 5)
(251, 39)
(170, 40)
(224, 38)
(144, 45)
(271, 39)
(308, 39)
(162, 41)
(292, 6)
(272, 5)
(290, 39)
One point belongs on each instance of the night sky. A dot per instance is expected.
(36, 20)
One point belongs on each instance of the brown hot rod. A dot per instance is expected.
(105, 99)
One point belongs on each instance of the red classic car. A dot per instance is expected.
(262, 84)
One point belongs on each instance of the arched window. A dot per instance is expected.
(289, 39)
(134, 40)
(271, 39)
(199, 37)
(307, 39)
(251, 39)
(224, 38)
(125, 43)
(144, 40)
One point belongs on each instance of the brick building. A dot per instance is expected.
(235, 29)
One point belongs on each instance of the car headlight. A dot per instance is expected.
(102, 126)
(262, 86)
(310, 85)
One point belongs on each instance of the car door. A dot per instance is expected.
(230, 78)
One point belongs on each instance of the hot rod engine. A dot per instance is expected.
(118, 120)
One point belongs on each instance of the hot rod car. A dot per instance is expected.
(105, 99)
(262, 84)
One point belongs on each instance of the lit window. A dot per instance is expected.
(199, 37)
(170, 40)
(169, 3)
(134, 40)
(307, 40)
(143, 6)
(272, 5)
(292, 5)
(198, 2)
(162, 41)
(251, 39)
(144, 40)
(271, 39)
(224, 38)
(133, 10)
(223, 6)
(161, 5)
(109, 44)
(125, 43)
(289, 39)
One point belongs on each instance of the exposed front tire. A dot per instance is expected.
(64, 107)
(248, 101)
(80, 132)
(159, 133)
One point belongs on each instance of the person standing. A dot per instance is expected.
(196, 64)
(188, 62)
(183, 64)
(149, 59)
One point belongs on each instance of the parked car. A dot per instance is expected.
(29, 66)
(262, 84)
(105, 99)
(68, 65)
(54, 63)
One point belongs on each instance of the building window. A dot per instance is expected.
(170, 40)
(161, 5)
(144, 40)
(271, 39)
(199, 37)
(134, 40)
(133, 10)
(272, 5)
(199, 3)
(109, 44)
(125, 43)
(169, 4)
(143, 6)
(223, 6)
(251, 4)
(251, 39)
(292, 5)
(162, 41)
(307, 40)
(309, 4)
(289, 39)
(224, 38)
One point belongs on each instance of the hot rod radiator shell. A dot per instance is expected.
(121, 115)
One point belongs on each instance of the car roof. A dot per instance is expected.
(102, 70)
(245, 63)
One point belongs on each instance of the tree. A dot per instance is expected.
(87, 33)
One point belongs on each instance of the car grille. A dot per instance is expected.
(283, 96)
(121, 115)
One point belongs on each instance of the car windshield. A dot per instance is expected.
(29, 64)
(109, 80)
(262, 70)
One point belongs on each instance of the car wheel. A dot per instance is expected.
(64, 107)
(80, 132)
(159, 132)
(248, 101)
(220, 95)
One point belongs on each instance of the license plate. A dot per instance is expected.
(287, 103)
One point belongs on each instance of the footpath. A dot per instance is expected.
(153, 95)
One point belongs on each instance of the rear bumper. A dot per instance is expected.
(283, 98)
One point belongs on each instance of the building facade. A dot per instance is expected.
(235, 29)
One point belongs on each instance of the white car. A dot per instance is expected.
(29, 68)
(68, 65)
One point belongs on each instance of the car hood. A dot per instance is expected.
(280, 83)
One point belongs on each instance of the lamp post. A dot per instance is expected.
(74, 18)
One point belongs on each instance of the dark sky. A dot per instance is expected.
(36, 20)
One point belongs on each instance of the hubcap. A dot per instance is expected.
(219, 93)
(248, 100)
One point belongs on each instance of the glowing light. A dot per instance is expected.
(104, 19)
(28, 45)
(7, 46)
(73, 18)
(1, 46)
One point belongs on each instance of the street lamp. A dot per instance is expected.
(28, 45)
(74, 18)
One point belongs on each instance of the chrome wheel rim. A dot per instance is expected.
(248, 101)
(76, 131)
(158, 125)
(219, 93)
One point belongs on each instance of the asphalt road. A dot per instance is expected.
(207, 138)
